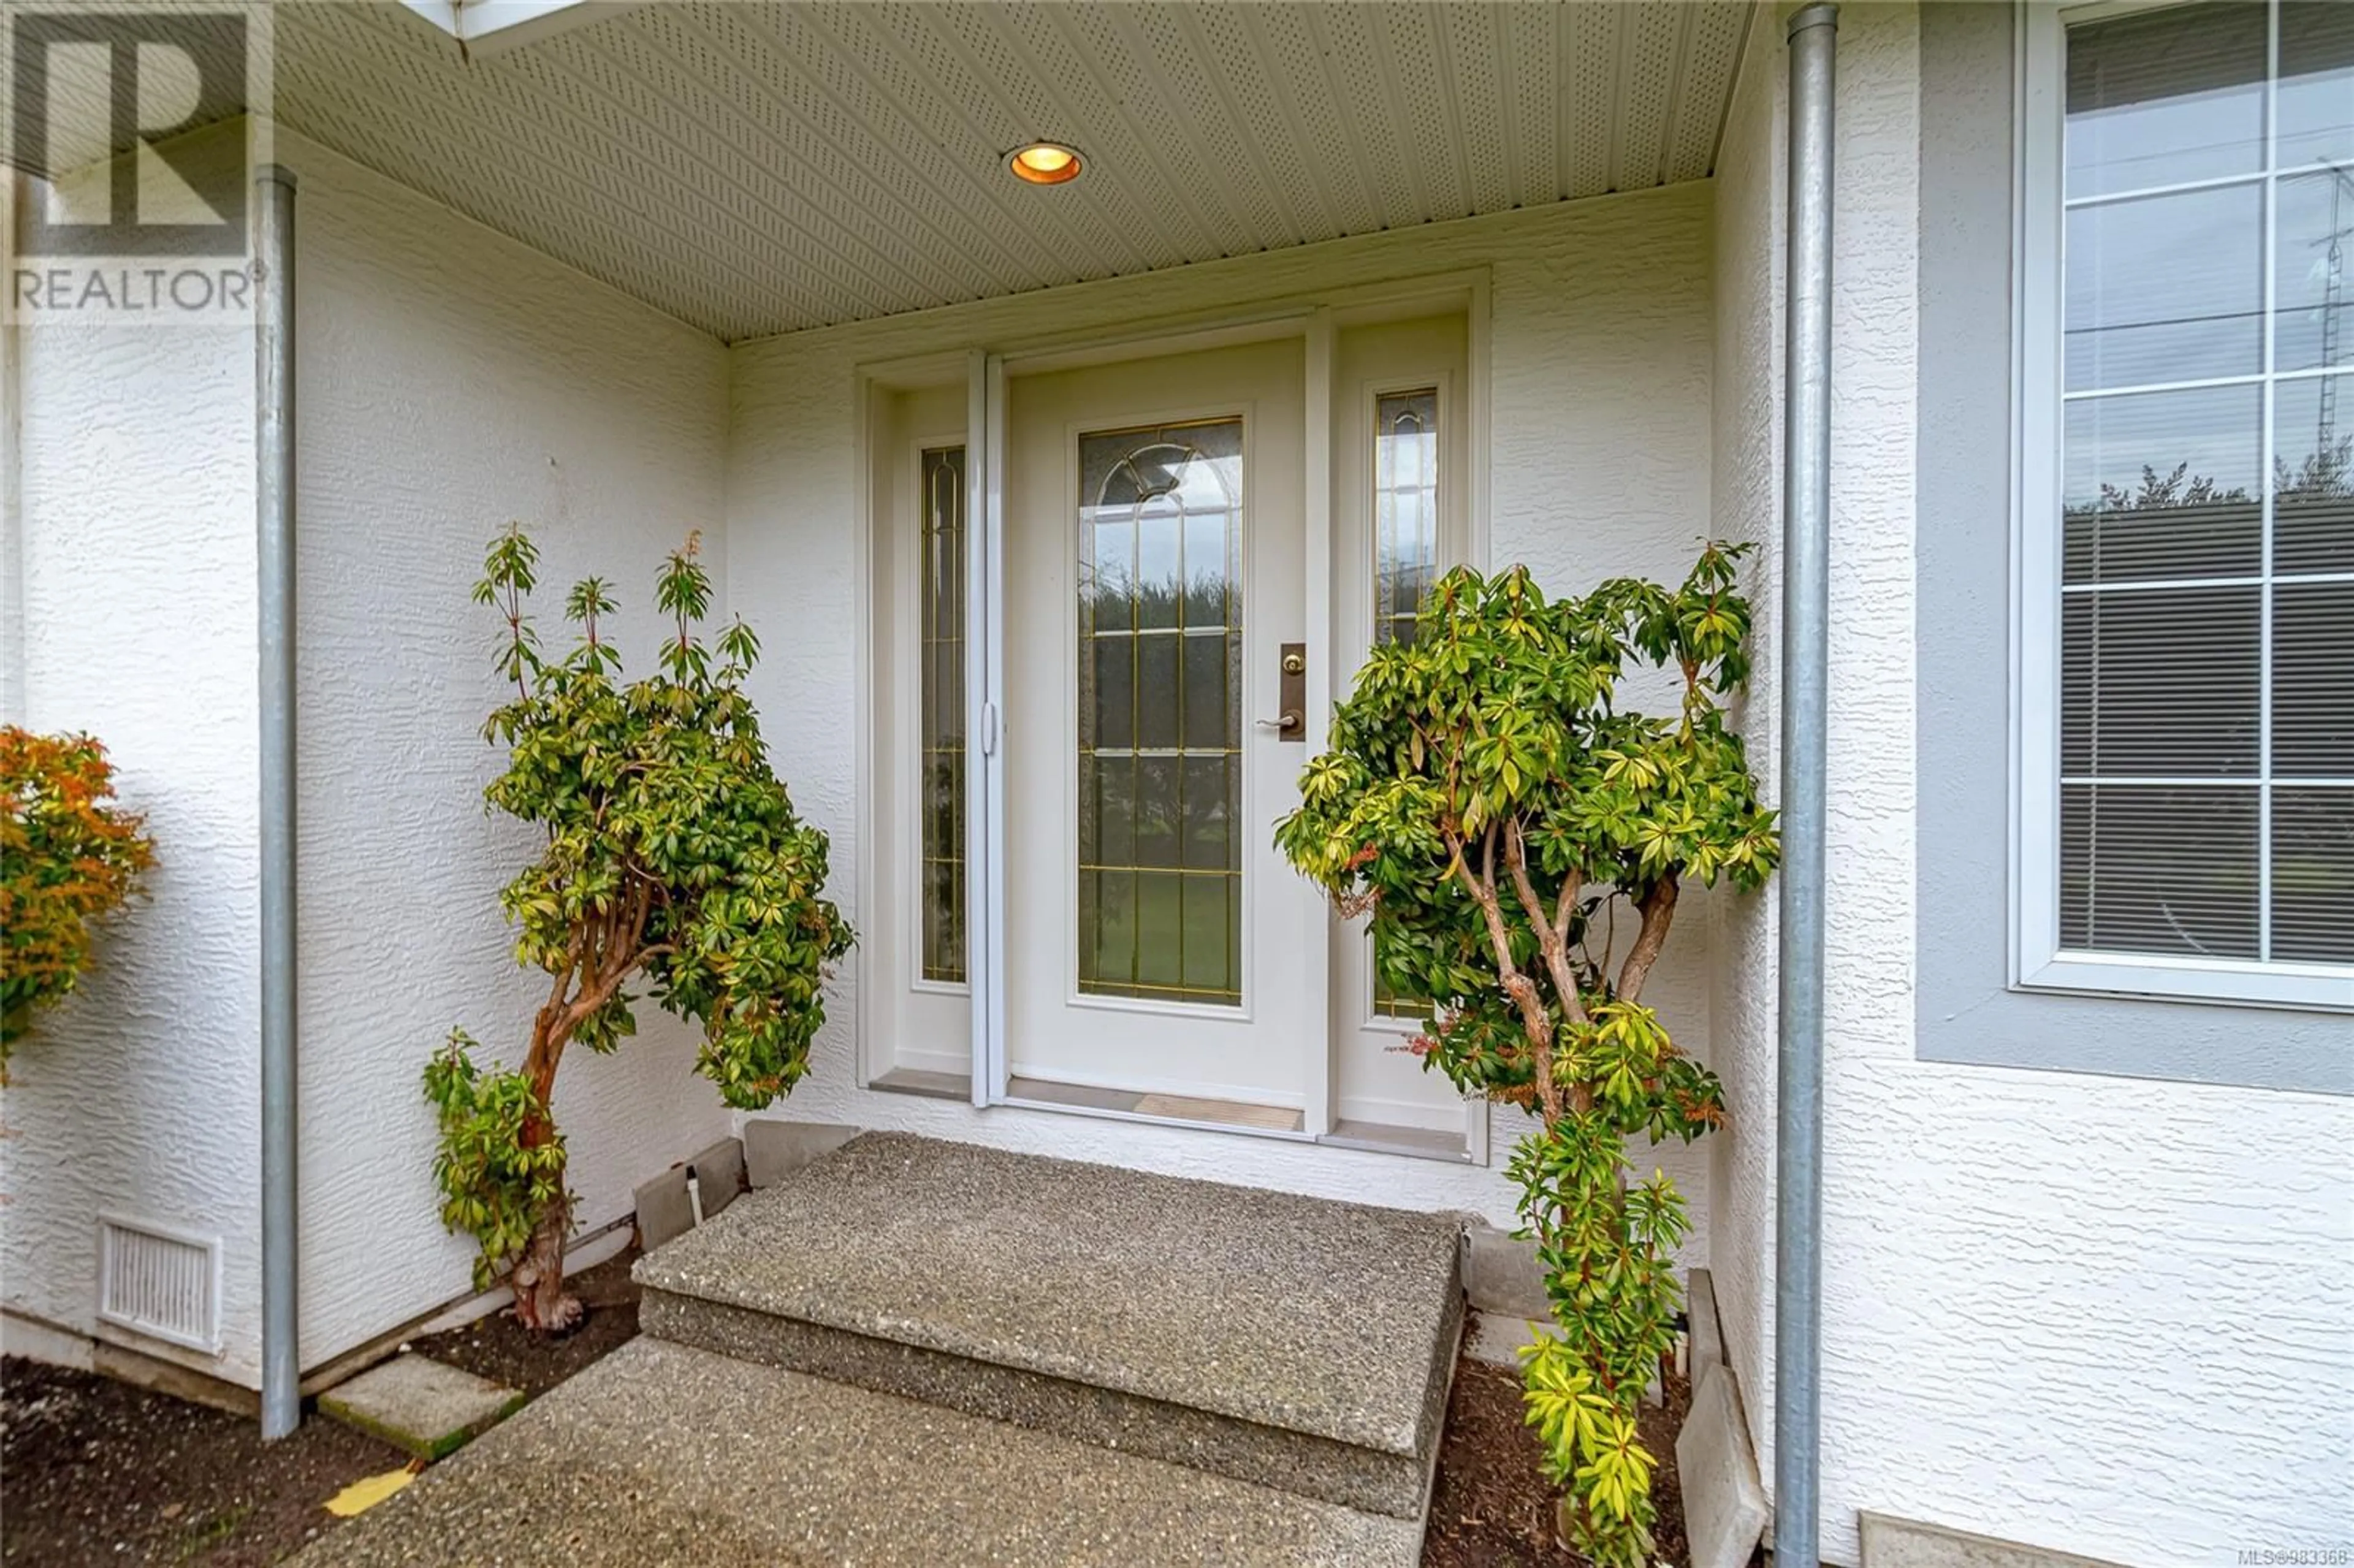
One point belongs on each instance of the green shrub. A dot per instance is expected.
(1487, 800)
(674, 861)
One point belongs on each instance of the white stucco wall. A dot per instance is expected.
(1746, 459)
(139, 1094)
(2104, 1315)
(452, 380)
(1598, 456)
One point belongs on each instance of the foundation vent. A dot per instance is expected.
(159, 1280)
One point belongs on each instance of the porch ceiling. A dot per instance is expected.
(757, 168)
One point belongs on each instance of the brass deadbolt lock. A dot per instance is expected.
(1295, 663)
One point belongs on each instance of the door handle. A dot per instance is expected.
(1291, 688)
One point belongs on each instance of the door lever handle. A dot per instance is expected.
(1290, 694)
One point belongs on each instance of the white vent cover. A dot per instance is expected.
(159, 1280)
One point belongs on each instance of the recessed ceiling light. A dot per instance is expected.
(1044, 163)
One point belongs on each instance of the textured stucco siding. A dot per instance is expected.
(1747, 457)
(2101, 1316)
(1598, 463)
(139, 1094)
(452, 380)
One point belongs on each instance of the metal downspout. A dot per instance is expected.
(1806, 597)
(18, 191)
(273, 397)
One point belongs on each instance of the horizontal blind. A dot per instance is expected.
(2206, 680)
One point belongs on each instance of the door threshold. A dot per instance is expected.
(1198, 1112)
(1161, 1109)
(1381, 1137)
(924, 1082)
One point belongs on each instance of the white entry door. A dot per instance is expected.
(1156, 945)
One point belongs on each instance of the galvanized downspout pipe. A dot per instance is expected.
(1806, 663)
(274, 398)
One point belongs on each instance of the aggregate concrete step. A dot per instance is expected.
(1287, 1341)
(663, 1453)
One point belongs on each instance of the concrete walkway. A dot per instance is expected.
(911, 1351)
(661, 1454)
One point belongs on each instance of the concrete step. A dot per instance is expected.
(1283, 1341)
(662, 1454)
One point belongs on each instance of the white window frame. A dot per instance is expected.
(2038, 961)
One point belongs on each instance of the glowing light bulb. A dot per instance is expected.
(1044, 163)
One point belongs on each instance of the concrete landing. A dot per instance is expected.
(1283, 1341)
(661, 1454)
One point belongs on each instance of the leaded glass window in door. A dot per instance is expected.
(1406, 509)
(1405, 552)
(1160, 713)
(941, 655)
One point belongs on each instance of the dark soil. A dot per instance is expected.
(501, 1350)
(95, 1471)
(1493, 1506)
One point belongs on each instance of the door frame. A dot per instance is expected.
(1315, 319)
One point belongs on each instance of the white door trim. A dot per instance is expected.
(985, 704)
(1316, 1114)
(1315, 318)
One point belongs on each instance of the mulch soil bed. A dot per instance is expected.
(501, 1350)
(1492, 1507)
(94, 1471)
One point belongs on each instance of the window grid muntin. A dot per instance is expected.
(941, 752)
(2336, 377)
(1096, 869)
(1392, 410)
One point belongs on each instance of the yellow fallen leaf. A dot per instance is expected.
(363, 1495)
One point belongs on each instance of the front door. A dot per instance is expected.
(1157, 948)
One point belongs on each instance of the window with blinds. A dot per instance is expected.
(2201, 549)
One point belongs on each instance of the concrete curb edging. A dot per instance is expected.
(1890, 1542)
(1725, 1511)
(425, 1407)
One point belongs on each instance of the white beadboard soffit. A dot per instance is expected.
(757, 168)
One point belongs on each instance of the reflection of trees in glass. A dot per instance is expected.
(944, 873)
(2325, 471)
(2323, 474)
(2178, 488)
(1159, 779)
(1197, 723)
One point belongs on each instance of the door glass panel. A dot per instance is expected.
(1159, 712)
(1405, 553)
(1406, 509)
(941, 656)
